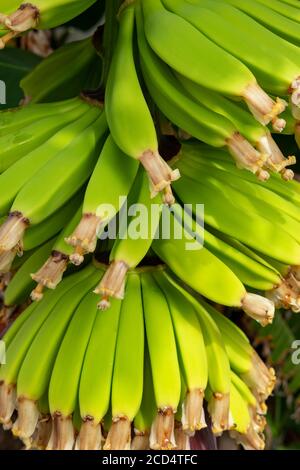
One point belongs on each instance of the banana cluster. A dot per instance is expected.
(73, 389)
(221, 76)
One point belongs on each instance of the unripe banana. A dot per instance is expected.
(95, 383)
(127, 383)
(218, 368)
(63, 184)
(21, 342)
(17, 118)
(191, 349)
(146, 414)
(24, 140)
(42, 14)
(133, 245)
(290, 10)
(16, 325)
(65, 378)
(109, 182)
(272, 60)
(34, 375)
(200, 59)
(25, 168)
(164, 363)
(131, 125)
(271, 19)
(63, 73)
(199, 121)
(243, 358)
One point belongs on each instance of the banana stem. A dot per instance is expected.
(141, 440)
(84, 238)
(193, 418)
(26, 423)
(162, 435)
(12, 232)
(181, 438)
(112, 283)
(63, 433)
(259, 308)
(8, 397)
(50, 274)
(119, 436)
(43, 433)
(90, 436)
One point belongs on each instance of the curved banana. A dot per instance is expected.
(17, 118)
(200, 59)
(272, 60)
(243, 358)
(127, 383)
(164, 363)
(199, 121)
(35, 372)
(22, 341)
(281, 25)
(105, 195)
(65, 377)
(63, 184)
(42, 14)
(95, 383)
(22, 141)
(25, 168)
(69, 61)
(130, 122)
(146, 414)
(132, 246)
(218, 367)
(191, 349)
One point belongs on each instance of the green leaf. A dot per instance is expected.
(14, 65)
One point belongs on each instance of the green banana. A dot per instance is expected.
(22, 341)
(194, 159)
(73, 173)
(21, 285)
(243, 358)
(271, 19)
(131, 123)
(288, 9)
(24, 140)
(219, 179)
(208, 270)
(238, 225)
(248, 269)
(95, 383)
(218, 367)
(110, 181)
(191, 349)
(133, 245)
(35, 372)
(201, 122)
(43, 14)
(239, 411)
(69, 66)
(65, 377)
(15, 119)
(272, 60)
(164, 363)
(51, 272)
(146, 414)
(200, 59)
(127, 383)
(21, 172)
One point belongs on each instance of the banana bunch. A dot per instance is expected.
(180, 353)
(208, 176)
(42, 14)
